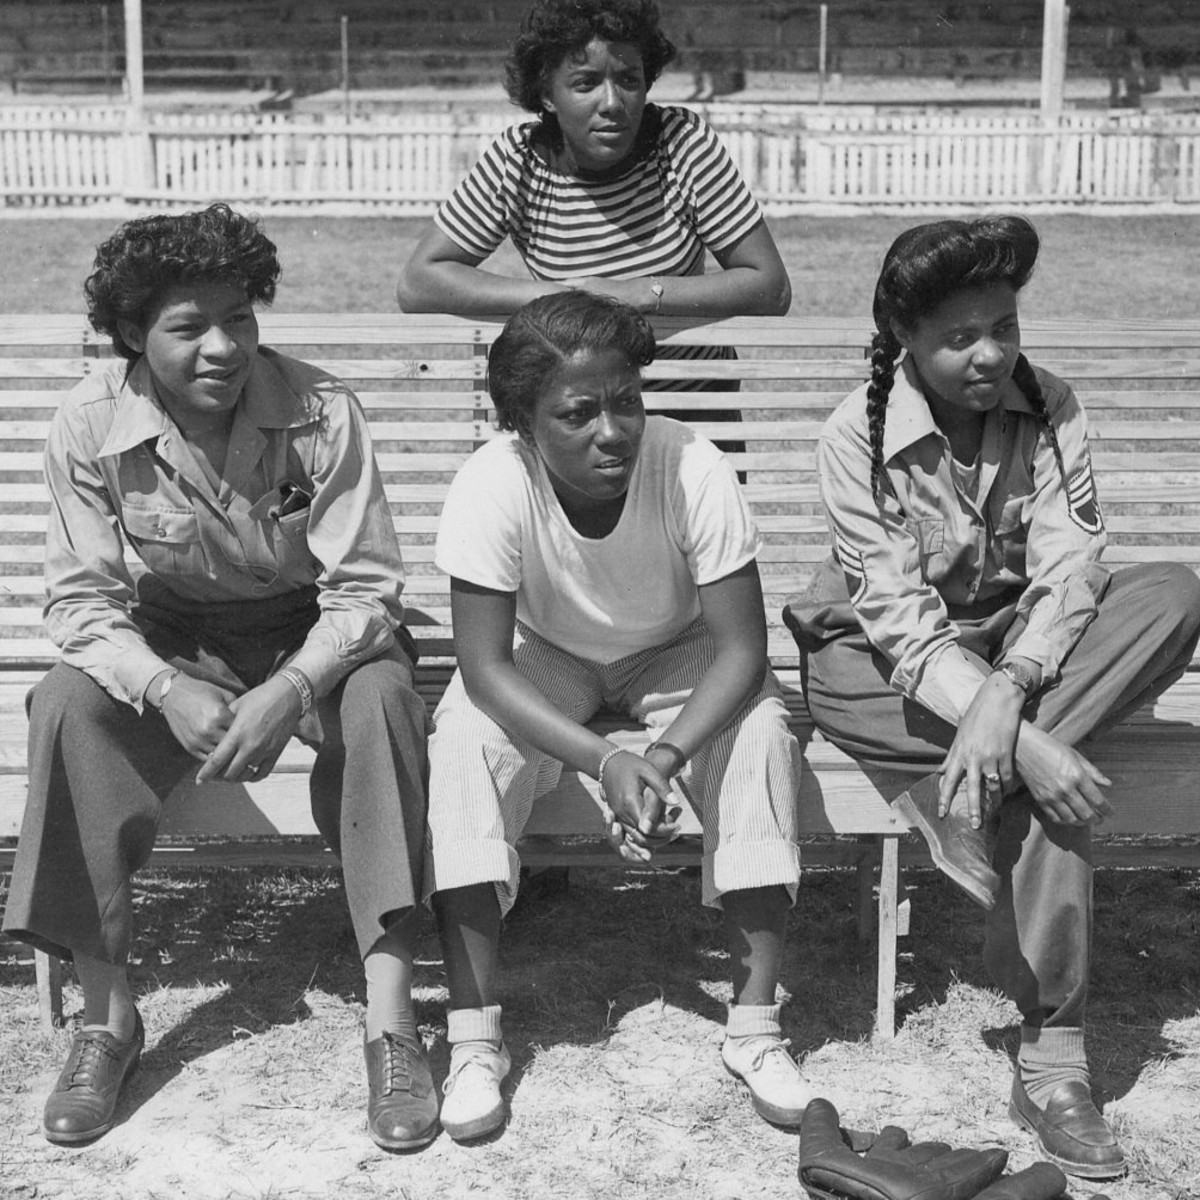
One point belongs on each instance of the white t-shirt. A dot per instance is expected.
(685, 524)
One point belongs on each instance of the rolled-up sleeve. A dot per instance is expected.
(1065, 542)
(904, 617)
(89, 588)
(351, 536)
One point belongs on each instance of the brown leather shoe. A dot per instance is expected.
(402, 1108)
(959, 851)
(83, 1101)
(1072, 1133)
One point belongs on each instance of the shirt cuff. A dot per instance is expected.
(1039, 649)
(948, 683)
(136, 673)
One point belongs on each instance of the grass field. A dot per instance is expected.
(1120, 267)
(252, 1084)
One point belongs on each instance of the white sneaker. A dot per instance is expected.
(778, 1090)
(471, 1102)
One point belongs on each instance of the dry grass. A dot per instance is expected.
(614, 996)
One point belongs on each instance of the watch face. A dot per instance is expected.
(1022, 677)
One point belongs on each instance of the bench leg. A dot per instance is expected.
(885, 993)
(49, 971)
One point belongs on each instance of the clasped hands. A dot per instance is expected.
(640, 816)
(237, 738)
(995, 750)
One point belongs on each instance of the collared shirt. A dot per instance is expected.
(300, 502)
(933, 544)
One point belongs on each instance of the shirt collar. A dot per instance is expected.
(909, 418)
(268, 402)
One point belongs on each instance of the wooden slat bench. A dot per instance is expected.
(421, 380)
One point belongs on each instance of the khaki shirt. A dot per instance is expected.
(930, 548)
(126, 489)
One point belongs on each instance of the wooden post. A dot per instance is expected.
(822, 43)
(346, 67)
(137, 139)
(1054, 58)
(885, 987)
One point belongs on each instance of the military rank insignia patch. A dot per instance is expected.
(1083, 502)
(851, 561)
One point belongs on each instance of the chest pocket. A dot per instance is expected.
(156, 525)
(930, 535)
(166, 540)
(1011, 536)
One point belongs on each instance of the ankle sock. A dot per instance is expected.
(753, 1020)
(1049, 1057)
(389, 996)
(474, 1025)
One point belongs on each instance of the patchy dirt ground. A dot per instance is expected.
(252, 1084)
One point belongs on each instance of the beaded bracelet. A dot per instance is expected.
(600, 771)
(300, 682)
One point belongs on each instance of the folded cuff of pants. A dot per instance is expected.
(462, 864)
(774, 863)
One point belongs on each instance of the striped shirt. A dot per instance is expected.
(679, 196)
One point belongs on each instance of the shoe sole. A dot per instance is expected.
(468, 1131)
(785, 1118)
(916, 818)
(1081, 1170)
(422, 1139)
(75, 1139)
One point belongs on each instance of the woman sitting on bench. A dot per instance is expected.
(964, 629)
(600, 557)
(268, 605)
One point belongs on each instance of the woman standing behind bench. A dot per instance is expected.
(269, 605)
(604, 192)
(965, 627)
(599, 557)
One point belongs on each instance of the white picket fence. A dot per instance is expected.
(791, 158)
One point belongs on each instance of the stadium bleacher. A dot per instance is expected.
(296, 43)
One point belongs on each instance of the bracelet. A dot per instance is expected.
(162, 692)
(299, 681)
(658, 292)
(672, 749)
(600, 770)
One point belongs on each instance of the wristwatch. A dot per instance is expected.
(1022, 676)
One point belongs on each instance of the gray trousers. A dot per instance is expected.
(1038, 937)
(99, 773)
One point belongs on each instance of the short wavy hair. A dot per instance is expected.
(146, 257)
(554, 29)
(547, 332)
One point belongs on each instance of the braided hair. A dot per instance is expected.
(923, 267)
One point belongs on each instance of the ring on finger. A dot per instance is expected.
(991, 779)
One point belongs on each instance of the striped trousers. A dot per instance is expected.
(742, 785)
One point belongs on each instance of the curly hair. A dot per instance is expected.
(554, 29)
(923, 267)
(137, 265)
(545, 333)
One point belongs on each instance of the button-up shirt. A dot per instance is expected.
(299, 502)
(930, 546)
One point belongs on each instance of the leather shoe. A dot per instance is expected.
(83, 1101)
(960, 851)
(402, 1106)
(1072, 1133)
